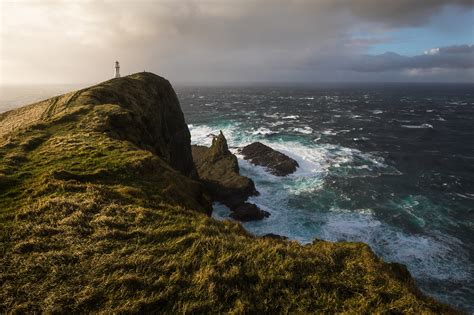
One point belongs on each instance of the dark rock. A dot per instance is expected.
(401, 272)
(249, 212)
(276, 162)
(275, 236)
(218, 169)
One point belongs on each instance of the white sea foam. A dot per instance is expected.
(304, 130)
(274, 115)
(423, 126)
(428, 256)
(261, 131)
(329, 132)
(201, 134)
(277, 123)
(361, 139)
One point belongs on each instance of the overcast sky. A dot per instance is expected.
(225, 41)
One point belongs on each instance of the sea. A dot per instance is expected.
(391, 165)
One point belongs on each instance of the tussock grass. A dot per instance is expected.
(93, 222)
(85, 251)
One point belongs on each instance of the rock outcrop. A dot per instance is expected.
(276, 162)
(249, 212)
(218, 169)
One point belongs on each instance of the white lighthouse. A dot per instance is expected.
(117, 69)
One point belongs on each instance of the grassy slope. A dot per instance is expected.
(90, 222)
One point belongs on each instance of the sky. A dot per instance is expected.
(237, 41)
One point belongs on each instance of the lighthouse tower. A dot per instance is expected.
(117, 69)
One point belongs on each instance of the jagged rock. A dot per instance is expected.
(276, 162)
(249, 212)
(218, 169)
(220, 149)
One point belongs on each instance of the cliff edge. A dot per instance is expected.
(100, 211)
(142, 108)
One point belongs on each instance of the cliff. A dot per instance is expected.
(100, 211)
(142, 109)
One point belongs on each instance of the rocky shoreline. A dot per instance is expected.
(218, 170)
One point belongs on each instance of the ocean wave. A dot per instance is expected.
(275, 115)
(305, 130)
(436, 256)
(262, 131)
(277, 123)
(423, 126)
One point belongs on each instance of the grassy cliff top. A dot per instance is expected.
(99, 212)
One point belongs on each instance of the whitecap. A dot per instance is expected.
(423, 126)
(277, 123)
(329, 132)
(261, 131)
(306, 130)
(275, 115)
(361, 139)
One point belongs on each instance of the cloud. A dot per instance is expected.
(432, 51)
(451, 57)
(207, 40)
(400, 12)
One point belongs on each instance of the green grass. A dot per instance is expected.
(92, 222)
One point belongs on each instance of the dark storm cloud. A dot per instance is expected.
(398, 12)
(452, 57)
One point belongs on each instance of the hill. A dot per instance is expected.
(101, 210)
